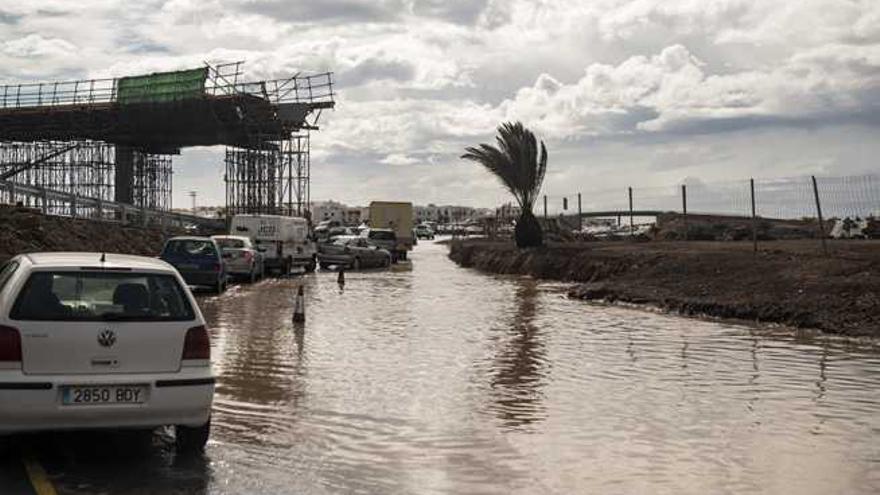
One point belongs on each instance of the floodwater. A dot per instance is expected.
(438, 379)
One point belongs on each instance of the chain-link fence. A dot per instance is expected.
(805, 206)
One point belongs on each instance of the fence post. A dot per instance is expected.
(754, 218)
(819, 213)
(631, 225)
(545, 207)
(580, 213)
(73, 205)
(12, 193)
(99, 209)
(684, 209)
(45, 198)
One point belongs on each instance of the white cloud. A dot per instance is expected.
(673, 89)
(35, 45)
(399, 159)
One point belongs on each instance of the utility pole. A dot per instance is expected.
(192, 194)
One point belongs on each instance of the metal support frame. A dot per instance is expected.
(88, 169)
(79, 169)
(269, 181)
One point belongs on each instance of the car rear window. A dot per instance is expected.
(102, 296)
(382, 235)
(190, 248)
(230, 243)
(6, 271)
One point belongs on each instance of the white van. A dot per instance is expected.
(284, 241)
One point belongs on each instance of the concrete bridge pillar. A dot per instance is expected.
(124, 176)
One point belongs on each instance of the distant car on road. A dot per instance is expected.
(424, 232)
(242, 259)
(352, 252)
(199, 261)
(102, 341)
(385, 239)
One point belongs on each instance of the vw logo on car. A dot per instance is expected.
(107, 338)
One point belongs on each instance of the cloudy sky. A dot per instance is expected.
(624, 92)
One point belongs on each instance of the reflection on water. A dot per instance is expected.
(443, 380)
(520, 365)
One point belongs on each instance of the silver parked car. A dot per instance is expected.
(352, 252)
(241, 258)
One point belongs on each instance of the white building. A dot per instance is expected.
(334, 210)
(443, 213)
(327, 210)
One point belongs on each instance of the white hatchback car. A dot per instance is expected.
(89, 340)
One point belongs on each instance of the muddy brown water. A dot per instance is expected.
(439, 379)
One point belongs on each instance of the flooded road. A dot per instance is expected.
(439, 379)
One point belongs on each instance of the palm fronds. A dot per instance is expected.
(517, 161)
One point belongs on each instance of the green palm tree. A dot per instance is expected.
(520, 165)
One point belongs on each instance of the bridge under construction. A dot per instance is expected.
(112, 140)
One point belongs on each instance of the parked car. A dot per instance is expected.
(241, 258)
(424, 232)
(352, 252)
(91, 341)
(385, 239)
(199, 261)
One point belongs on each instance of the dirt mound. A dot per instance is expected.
(24, 230)
(671, 226)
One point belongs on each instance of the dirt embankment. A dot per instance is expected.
(788, 282)
(24, 230)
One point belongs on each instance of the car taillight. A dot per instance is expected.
(196, 345)
(10, 344)
(248, 255)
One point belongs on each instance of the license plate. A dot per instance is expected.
(98, 394)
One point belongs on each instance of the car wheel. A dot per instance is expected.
(324, 266)
(189, 439)
(386, 262)
(218, 288)
(253, 274)
(311, 266)
(356, 264)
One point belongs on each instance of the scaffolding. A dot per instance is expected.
(80, 169)
(84, 169)
(112, 139)
(270, 180)
(151, 188)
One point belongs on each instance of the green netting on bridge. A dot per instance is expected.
(162, 86)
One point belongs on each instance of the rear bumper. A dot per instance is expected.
(204, 278)
(238, 268)
(33, 403)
